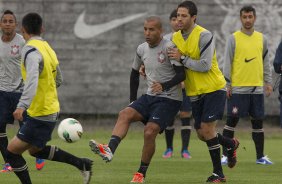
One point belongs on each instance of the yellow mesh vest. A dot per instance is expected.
(247, 65)
(45, 101)
(197, 83)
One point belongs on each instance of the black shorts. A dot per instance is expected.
(208, 108)
(243, 105)
(36, 132)
(155, 109)
(8, 104)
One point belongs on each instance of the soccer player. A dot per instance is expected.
(277, 63)
(204, 84)
(158, 106)
(185, 110)
(38, 106)
(247, 71)
(11, 84)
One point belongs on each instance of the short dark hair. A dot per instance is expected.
(155, 18)
(173, 14)
(248, 8)
(191, 6)
(32, 23)
(9, 12)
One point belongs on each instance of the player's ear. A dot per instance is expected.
(42, 29)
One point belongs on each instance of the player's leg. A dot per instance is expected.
(14, 156)
(207, 133)
(6, 116)
(185, 117)
(134, 112)
(257, 116)
(169, 134)
(39, 163)
(237, 106)
(3, 146)
(151, 131)
(40, 133)
(206, 111)
(162, 110)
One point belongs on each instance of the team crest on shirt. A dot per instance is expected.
(161, 57)
(235, 110)
(15, 49)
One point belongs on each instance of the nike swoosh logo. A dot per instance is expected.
(211, 116)
(84, 31)
(248, 60)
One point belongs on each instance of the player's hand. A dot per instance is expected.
(18, 114)
(142, 71)
(156, 88)
(173, 53)
(268, 89)
(228, 92)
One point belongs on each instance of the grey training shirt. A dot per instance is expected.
(158, 67)
(10, 64)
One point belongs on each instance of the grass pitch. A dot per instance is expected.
(161, 171)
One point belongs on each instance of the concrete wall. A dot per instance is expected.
(96, 63)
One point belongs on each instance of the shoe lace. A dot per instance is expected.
(266, 158)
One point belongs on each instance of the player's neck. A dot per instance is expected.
(157, 43)
(247, 31)
(190, 29)
(8, 37)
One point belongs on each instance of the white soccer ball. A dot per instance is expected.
(70, 130)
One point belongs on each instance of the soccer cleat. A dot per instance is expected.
(86, 171)
(39, 163)
(168, 153)
(214, 178)
(186, 154)
(231, 154)
(101, 149)
(138, 178)
(224, 160)
(264, 161)
(7, 168)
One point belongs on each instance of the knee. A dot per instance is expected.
(184, 114)
(232, 121)
(200, 135)
(124, 114)
(257, 123)
(150, 132)
(11, 156)
(2, 127)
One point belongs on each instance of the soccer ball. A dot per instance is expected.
(70, 130)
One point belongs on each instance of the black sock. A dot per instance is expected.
(185, 133)
(3, 145)
(229, 130)
(56, 154)
(225, 141)
(214, 149)
(258, 137)
(143, 168)
(169, 133)
(19, 166)
(114, 142)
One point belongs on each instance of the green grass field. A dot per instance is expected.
(171, 171)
